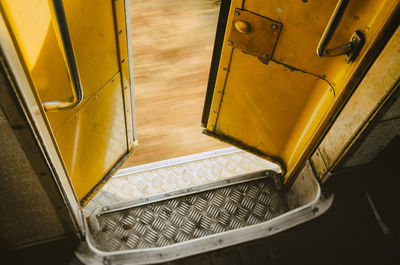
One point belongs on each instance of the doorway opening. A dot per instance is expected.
(172, 43)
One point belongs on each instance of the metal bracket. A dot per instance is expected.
(357, 42)
(254, 34)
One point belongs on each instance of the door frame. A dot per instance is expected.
(35, 115)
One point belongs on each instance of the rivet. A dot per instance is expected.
(105, 208)
(274, 27)
(230, 42)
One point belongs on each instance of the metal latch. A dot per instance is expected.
(254, 34)
(350, 49)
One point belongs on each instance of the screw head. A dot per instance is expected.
(274, 27)
(230, 42)
(105, 208)
(265, 56)
(237, 13)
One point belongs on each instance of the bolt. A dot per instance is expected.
(274, 27)
(230, 42)
(237, 13)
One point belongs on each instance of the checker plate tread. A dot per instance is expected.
(141, 184)
(188, 217)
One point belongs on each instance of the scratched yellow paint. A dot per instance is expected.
(280, 110)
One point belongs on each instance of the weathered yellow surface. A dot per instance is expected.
(280, 110)
(93, 136)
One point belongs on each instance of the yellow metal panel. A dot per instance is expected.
(94, 136)
(279, 110)
(91, 141)
(92, 30)
(31, 26)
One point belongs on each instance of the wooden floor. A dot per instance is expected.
(172, 48)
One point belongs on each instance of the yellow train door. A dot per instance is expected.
(75, 56)
(282, 70)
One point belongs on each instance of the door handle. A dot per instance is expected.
(60, 23)
(350, 49)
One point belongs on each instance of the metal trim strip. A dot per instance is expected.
(177, 161)
(219, 39)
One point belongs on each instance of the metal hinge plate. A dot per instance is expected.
(254, 34)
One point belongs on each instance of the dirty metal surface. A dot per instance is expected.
(254, 34)
(189, 217)
(174, 174)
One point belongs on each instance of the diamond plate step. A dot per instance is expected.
(173, 174)
(190, 217)
(200, 218)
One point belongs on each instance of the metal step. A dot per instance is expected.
(180, 219)
(200, 218)
(177, 173)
